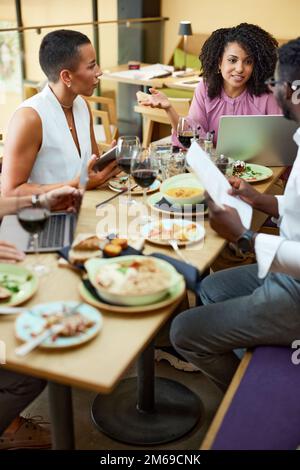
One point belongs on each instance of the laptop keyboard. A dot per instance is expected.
(53, 234)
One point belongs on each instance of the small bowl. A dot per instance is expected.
(185, 180)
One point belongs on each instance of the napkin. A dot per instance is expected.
(215, 183)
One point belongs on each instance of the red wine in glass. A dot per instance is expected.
(124, 163)
(33, 219)
(186, 138)
(144, 178)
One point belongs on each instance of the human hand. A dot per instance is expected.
(96, 178)
(243, 190)
(9, 253)
(65, 198)
(157, 99)
(226, 222)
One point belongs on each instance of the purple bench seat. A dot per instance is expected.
(265, 411)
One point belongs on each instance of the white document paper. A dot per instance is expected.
(145, 73)
(215, 183)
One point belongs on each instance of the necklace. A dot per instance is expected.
(66, 107)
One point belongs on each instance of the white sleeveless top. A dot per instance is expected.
(58, 159)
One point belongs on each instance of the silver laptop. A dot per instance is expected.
(58, 232)
(267, 140)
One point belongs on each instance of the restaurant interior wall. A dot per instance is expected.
(278, 17)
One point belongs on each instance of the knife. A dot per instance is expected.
(114, 196)
(35, 342)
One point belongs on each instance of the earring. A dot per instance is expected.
(69, 85)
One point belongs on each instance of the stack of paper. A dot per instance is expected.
(215, 183)
(145, 73)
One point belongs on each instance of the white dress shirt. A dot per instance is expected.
(282, 253)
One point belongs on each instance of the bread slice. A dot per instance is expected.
(85, 241)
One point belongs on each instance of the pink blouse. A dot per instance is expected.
(207, 112)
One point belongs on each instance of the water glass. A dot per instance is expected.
(177, 164)
(163, 154)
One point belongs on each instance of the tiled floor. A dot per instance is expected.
(88, 437)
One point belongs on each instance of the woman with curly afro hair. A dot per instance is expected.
(235, 64)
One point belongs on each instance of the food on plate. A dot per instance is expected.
(141, 96)
(89, 243)
(85, 246)
(111, 249)
(134, 277)
(73, 324)
(184, 192)
(238, 168)
(244, 171)
(174, 231)
(122, 242)
(4, 293)
(11, 284)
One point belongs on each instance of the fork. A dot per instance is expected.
(175, 247)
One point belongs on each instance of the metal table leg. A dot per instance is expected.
(61, 416)
(147, 410)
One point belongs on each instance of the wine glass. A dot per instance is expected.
(33, 219)
(144, 169)
(187, 130)
(128, 147)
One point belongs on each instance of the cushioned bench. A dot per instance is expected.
(262, 412)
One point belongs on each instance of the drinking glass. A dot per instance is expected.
(187, 130)
(33, 220)
(177, 163)
(128, 147)
(144, 169)
(163, 154)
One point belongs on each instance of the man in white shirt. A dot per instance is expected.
(255, 304)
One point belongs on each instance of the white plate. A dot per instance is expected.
(260, 173)
(162, 239)
(32, 322)
(137, 191)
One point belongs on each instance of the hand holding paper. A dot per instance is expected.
(216, 184)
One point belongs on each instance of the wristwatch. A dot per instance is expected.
(246, 241)
(35, 200)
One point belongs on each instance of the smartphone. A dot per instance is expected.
(106, 158)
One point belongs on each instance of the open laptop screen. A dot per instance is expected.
(267, 140)
(59, 229)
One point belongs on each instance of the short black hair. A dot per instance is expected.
(289, 60)
(60, 50)
(257, 42)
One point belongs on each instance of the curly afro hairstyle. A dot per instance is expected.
(255, 41)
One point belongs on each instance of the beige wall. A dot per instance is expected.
(281, 18)
(37, 12)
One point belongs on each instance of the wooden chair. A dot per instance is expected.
(153, 115)
(107, 131)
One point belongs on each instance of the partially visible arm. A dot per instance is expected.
(287, 259)
(9, 205)
(262, 202)
(22, 144)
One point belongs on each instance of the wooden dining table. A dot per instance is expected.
(100, 364)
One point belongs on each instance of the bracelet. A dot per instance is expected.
(35, 200)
